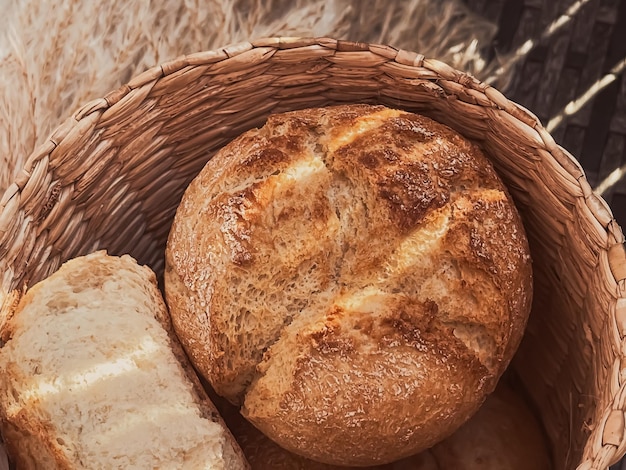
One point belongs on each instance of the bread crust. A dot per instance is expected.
(503, 434)
(30, 438)
(356, 277)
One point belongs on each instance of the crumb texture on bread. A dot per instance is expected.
(356, 277)
(91, 380)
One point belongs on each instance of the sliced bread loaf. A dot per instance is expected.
(93, 377)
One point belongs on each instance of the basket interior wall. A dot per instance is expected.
(112, 176)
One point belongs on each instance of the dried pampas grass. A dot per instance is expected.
(55, 56)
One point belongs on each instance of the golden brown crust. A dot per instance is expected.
(315, 255)
(8, 306)
(503, 434)
(263, 453)
(30, 445)
(335, 384)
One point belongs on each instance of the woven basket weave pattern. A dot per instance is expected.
(112, 175)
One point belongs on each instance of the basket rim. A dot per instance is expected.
(609, 435)
(267, 46)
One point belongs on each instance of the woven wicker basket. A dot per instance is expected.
(111, 177)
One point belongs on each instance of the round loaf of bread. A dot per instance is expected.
(357, 278)
(502, 435)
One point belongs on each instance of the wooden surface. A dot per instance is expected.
(561, 67)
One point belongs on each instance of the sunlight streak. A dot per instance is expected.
(575, 105)
(611, 180)
(529, 45)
